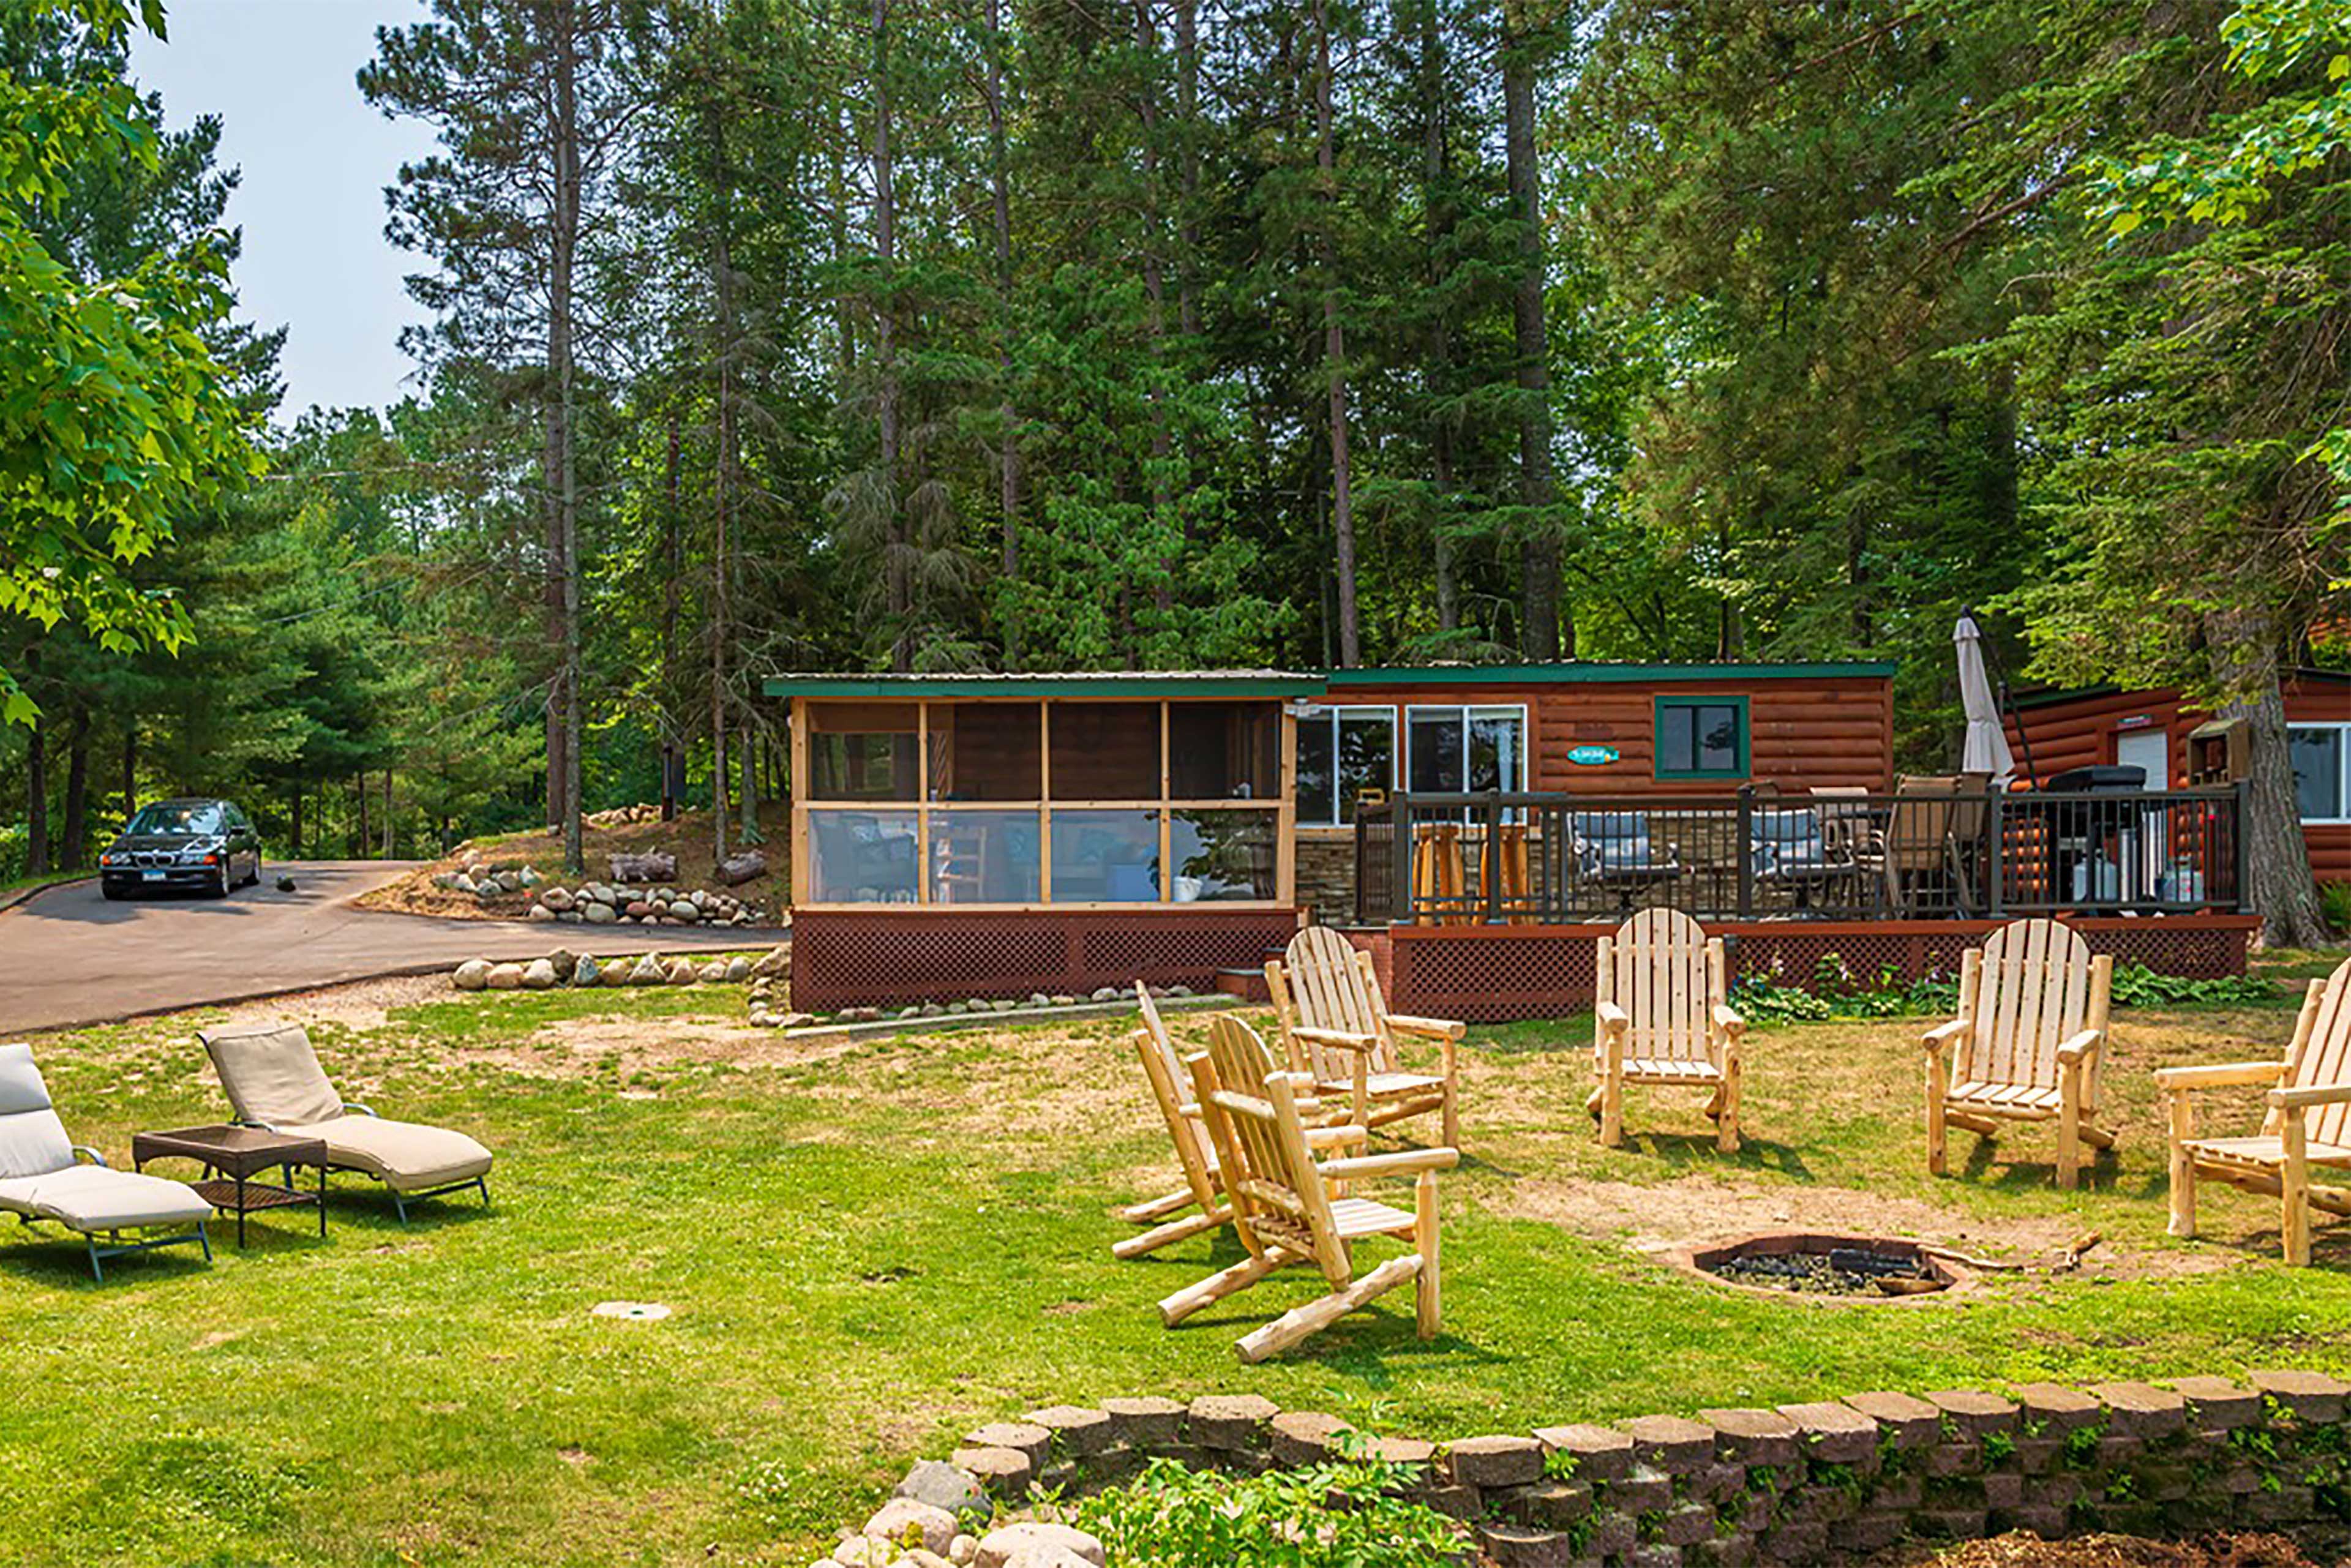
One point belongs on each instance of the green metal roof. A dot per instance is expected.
(1537, 674)
(1063, 683)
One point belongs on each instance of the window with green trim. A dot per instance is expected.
(1701, 737)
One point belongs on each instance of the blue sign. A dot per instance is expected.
(1592, 756)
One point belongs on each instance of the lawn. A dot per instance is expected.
(870, 1249)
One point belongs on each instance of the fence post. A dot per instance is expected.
(1490, 859)
(1746, 851)
(1997, 892)
(2243, 788)
(1400, 855)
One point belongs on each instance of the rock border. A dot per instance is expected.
(1821, 1481)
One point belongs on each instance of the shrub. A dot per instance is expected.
(1339, 1514)
(1837, 993)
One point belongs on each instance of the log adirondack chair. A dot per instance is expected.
(1336, 1027)
(1289, 1208)
(1662, 1018)
(1203, 1188)
(2308, 1124)
(2026, 1044)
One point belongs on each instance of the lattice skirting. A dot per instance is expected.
(1494, 974)
(853, 959)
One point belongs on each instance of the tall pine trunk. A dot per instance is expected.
(672, 684)
(77, 827)
(130, 765)
(722, 495)
(1154, 293)
(1334, 347)
(1187, 117)
(1439, 215)
(1543, 634)
(563, 258)
(999, 181)
(2277, 860)
(37, 793)
(897, 579)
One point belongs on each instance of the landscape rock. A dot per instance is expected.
(998, 1548)
(557, 899)
(473, 975)
(681, 972)
(648, 972)
(714, 973)
(777, 961)
(505, 977)
(541, 914)
(738, 969)
(538, 975)
(587, 972)
(618, 971)
(685, 912)
(1107, 994)
(565, 962)
(529, 876)
(904, 1521)
(600, 914)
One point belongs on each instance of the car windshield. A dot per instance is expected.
(182, 820)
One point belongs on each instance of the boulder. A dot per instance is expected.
(649, 971)
(684, 911)
(907, 1523)
(637, 909)
(1107, 994)
(587, 972)
(557, 899)
(617, 971)
(941, 1486)
(529, 876)
(541, 914)
(565, 962)
(461, 883)
(509, 881)
(777, 961)
(538, 975)
(681, 972)
(473, 975)
(505, 976)
(738, 969)
(569, 917)
(998, 1548)
(715, 972)
(656, 866)
(600, 914)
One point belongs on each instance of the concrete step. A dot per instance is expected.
(1248, 984)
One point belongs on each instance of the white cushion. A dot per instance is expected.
(272, 1075)
(32, 1142)
(92, 1198)
(404, 1155)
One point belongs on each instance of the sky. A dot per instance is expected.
(315, 159)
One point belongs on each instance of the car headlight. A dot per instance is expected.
(110, 857)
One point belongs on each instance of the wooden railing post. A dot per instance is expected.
(1996, 819)
(1400, 831)
(2240, 865)
(1489, 860)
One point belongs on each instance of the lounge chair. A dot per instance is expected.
(1290, 1207)
(1336, 1027)
(1203, 1188)
(2307, 1126)
(41, 1180)
(1662, 1017)
(2025, 1047)
(274, 1081)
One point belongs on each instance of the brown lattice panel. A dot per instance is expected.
(1493, 974)
(858, 958)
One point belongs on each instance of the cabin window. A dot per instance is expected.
(1452, 750)
(2321, 754)
(1701, 737)
(1341, 753)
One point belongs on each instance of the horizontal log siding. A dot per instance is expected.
(2081, 733)
(1835, 730)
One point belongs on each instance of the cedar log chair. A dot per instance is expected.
(2308, 1124)
(1290, 1208)
(1203, 1188)
(2026, 1043)
(1336, 1027)
(1662, 1018)
(274, 1081)
(41, 1180)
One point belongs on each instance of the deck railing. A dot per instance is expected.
(1522, 857)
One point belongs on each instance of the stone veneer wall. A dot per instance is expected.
(1326, 876)
(1801, 1483)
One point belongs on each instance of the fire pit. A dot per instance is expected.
(1830, 1268)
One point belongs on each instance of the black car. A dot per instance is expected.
(208, 846)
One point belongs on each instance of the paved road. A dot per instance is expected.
(69, 957)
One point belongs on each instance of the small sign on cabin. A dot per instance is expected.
(1592, 756)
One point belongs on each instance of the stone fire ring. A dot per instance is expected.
(1699, 1259)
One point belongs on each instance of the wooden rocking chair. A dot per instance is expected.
(1171, 1086)
(1336, 1027)
(2309, 1121)
(1288, 1208)
(1662, 1018)
(2026, 1044)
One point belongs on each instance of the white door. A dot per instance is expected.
(2145, 851)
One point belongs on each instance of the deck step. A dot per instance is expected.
(1248, 984)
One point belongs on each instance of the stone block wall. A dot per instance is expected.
(1812, 1482)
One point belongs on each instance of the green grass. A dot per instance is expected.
(46, 879)
(872, 1250)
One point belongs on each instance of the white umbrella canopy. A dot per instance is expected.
(1986, 751)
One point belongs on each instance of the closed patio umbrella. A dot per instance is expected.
(1986, 751)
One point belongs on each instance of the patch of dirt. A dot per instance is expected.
(359, 1005)
(579, 1047)
(2027, 1551)
(1655, 1218)
(688, 838)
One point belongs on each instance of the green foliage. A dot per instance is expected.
(1836, 992)
(1338, 1514)
(2137, 986)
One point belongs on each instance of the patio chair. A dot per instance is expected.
(1932, 838)
(1613, 851)
(41, 1180)
(1790, 850)
(1336, 1027)
(1662, 1019)
(1171, 1086)
(274, 1081)
(2026, 1044)
(1288, 1208)
(2308, 1122)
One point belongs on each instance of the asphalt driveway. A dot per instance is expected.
(68, 958)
